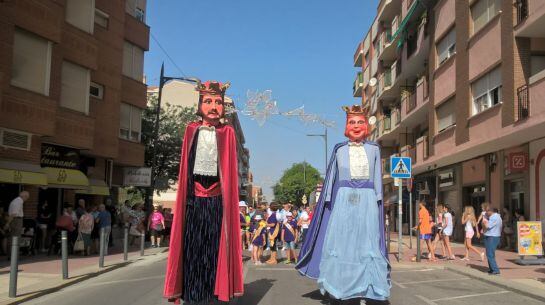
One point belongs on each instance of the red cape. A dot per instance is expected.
(229, 281)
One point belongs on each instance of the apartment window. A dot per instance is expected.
(133, 61)
(96, 91)
(446, 47)
(136, 8)
(102, 19)
(31, 67)
(81, 14)
(486, 91)
(446, 114)
(130, 124)
(483, 11)
(75, 87)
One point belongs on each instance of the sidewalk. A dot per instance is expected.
(41, 274)
(528, 279)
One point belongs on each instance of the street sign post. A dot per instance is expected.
(400, 167)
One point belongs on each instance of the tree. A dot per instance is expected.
(300, 179)
(173, 121)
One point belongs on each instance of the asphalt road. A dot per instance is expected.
(141, 284)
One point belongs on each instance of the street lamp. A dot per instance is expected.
(162, 81)
(325, 139)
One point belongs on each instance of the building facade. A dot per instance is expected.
(183, 93)
(459, 86)
(71, 98)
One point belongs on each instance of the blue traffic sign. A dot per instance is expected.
(400, 167)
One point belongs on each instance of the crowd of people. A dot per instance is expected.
(489, 226)
(84, 223)
(274, 228)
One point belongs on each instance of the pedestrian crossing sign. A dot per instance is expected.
(400, 167)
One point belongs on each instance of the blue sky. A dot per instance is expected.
(301, 50)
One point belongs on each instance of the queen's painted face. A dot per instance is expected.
(356, 129)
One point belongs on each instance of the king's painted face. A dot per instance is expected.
(211, 109)
(356, 128)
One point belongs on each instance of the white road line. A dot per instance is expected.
(399, 284)
(275, 269)
(426, 300)
(126, 280)
(433, 281)
(415, 270)
(471, 295)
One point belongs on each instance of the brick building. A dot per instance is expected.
(459, 86)
(71, 97)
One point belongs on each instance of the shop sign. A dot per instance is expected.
(529, 238)
(518, 162)
(59, 157)
(446, 178)
(137, 176)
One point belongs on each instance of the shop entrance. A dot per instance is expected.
(8, 192)
(54, 198)
(475, 195)
(515, 196)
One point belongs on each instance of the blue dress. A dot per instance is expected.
(346, 252)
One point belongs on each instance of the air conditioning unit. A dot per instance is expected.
(15, 139)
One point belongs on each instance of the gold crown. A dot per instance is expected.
(355, 109)
(212, 87)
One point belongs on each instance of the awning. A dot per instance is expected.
(21, 173)
(65, 178)
(96, 187)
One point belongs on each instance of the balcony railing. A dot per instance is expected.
(523, 103)
(396, 116)
(358, 85)
(409, 98)
(385, 39)
(522, 10)
(385, 166)
(395, 24)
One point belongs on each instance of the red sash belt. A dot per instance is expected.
(213, 191)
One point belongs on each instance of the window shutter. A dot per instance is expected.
(75, 87)
(31, 62)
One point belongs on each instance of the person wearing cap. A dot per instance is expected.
(289, 235)
(258, 239)
(244, 224)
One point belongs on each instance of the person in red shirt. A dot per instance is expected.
(65, 221)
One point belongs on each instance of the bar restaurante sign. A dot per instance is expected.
(59, 156)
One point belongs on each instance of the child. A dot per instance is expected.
(258, 241)
(289, 236)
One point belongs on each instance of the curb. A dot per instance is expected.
(77, 279)
(507, 284)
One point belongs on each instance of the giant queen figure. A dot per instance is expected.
(205, 255)
(345, 249)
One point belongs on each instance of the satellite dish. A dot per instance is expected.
(372, 120)
(373, 82)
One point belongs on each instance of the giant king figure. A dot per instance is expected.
(205, 259)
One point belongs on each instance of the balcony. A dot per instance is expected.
(387, 49)
(385, 168)
(422, 149)
(358, 56)
(530, 20)
(413, 102)
(387, 9)
(388, 125)
(385, 81)
(357, 88)
(523, 103)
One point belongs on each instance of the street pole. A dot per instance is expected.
(14, 267)
(410, 215)
(162, 81)
(400, 221)
(64, 250)
(142, 240)
(102, 239)
(325, 146)
(418, 253)
(126, 242)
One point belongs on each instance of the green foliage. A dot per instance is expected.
(173, 121)
(299, 179)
